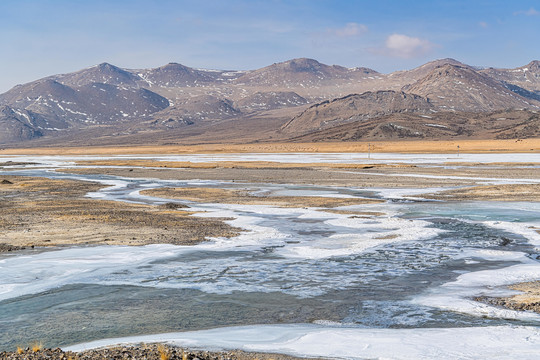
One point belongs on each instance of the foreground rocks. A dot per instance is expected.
(510, 304)
(147, 352)
(528, 300)
(7, 248)
(506, 192)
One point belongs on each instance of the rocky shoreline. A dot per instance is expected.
(528, 300)
(142, 351)
(8, 248)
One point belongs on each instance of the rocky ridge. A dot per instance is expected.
(179, 102)
(357, 107)
(527, 77)
(460, 88)
(503, 124)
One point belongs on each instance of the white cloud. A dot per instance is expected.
(403, 46)
(350, 29)
(530, 12)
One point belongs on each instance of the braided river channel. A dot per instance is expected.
(397, 282)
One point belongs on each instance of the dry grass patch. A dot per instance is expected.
(410, 146)
(44, 212)
(531, 292)
(233, 164)
(507, 192)
(528, 300)
(226, 196)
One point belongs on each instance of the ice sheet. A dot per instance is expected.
(361, 158)
(30, 274)
(504, 342)
(459, 295)
(527, 230)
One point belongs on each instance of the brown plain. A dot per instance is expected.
(44, 212)
(416, 146)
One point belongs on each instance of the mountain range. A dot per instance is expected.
(296, 100)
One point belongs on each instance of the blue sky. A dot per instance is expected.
(44, 37)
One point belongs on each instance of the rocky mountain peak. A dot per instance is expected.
(108, 67)
(523, 80)
(102, 73)
(533, 66)
(445, 61)
(458, 74)
(408, 77)
(177, 75)
(301, 72)
(451, 70)
(439, 63)
(461, 88)
(303, 65)
(173, 66)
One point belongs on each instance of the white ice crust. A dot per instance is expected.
(504, 342)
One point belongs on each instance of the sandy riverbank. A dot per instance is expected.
(44, 212)
(527, 300)
(507, 192)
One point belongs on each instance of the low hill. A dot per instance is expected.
(513, 124)
(356, 107)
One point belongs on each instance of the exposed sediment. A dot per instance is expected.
(227, 196)
(528, 300)
(45, 212)
(506, 192)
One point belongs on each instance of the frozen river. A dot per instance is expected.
(397, 282)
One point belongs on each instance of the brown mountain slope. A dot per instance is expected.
(17, 125)
(459, 88)
(95, 103)
(511, 124)
(270, 100)
(301, 72)
(195, 110)
(177, 101)
(356, 107)
(398, 79)
(526, 77)
(103, 73)
(178, 75)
